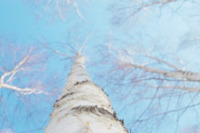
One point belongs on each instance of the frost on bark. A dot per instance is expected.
(83, 106)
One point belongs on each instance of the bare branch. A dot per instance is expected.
(162, 61)
(56, 51)
(24, 91)
(58, 8)
(12, 73)
(126, 10)
(15, 69)
(153, 3)
(168, 112)
(191, 76)
(190, 89)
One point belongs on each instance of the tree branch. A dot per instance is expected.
(15, 69)
(12, 73)
(184, 75)
(190, 89)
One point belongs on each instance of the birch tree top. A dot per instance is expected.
(83, 106)
(143, 54)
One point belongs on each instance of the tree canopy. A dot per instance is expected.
(144, 54)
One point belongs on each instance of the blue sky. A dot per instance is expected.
(162, 29)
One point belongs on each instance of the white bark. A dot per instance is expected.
(182, 75)
(172, 75)
(83, 106)
(176, 73)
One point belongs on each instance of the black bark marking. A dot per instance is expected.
(68, 94)
(97, 111)
(94, 110)
(82, 82)
(90, 82)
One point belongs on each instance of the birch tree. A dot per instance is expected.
(150, 89)
(83, 106)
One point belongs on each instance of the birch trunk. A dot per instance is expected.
(83, 106)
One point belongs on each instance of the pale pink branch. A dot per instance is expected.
(24, 91)
(12, 73)
(126, 10)
(77, 9)
(56, 51)
(190, 89)
(47, 6)
(59, 10)
(15, 69)
(1, 69)
(164, 62)
(191, 76)
(83, 45)
(168, 112)
(146, 5)
(6, 114)
(68, 1)
(126, 60)
(155, 58)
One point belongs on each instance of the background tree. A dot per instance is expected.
(57, 8)
(156, 64)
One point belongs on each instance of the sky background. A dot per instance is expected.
(168, 32)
